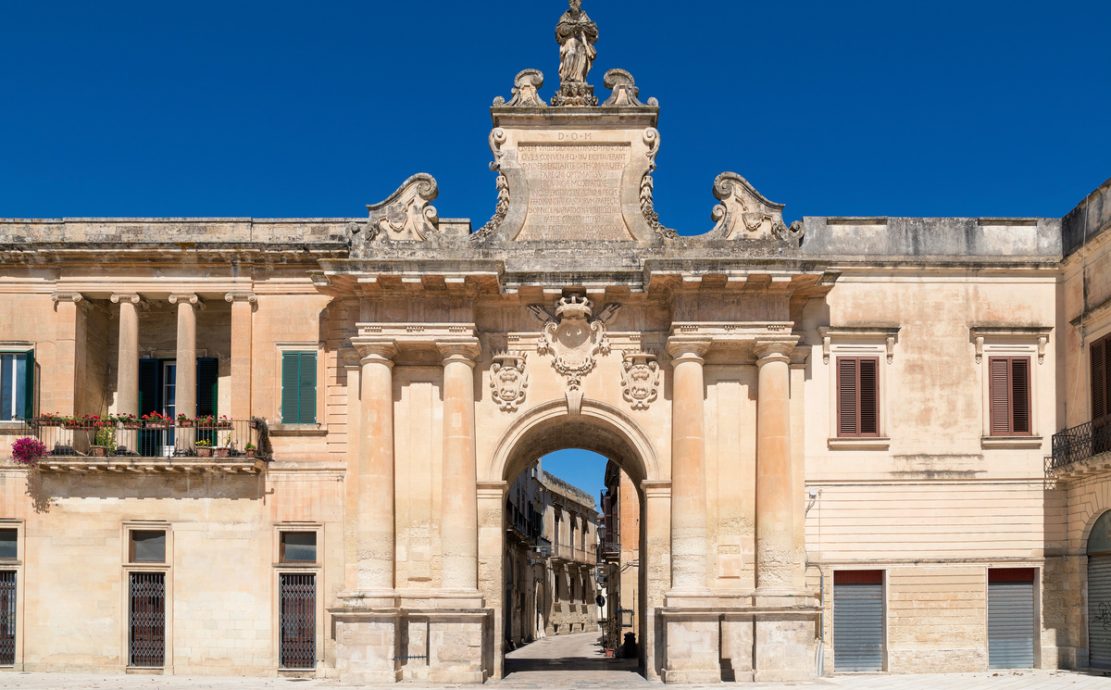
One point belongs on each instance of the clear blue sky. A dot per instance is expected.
(279, 108)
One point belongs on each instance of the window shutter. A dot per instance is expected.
(869, 397)
(28, 410)
(291, 369)
(999, 389)
(306, 393)
(1020, 395)
(847, 397)
(150, 386)
(1099, 356)
(208, 377)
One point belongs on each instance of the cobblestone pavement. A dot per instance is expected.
(572, 662)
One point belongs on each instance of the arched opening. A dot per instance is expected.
(1099, 592)
(560, 568)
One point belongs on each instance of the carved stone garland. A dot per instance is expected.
(497, 138)
(508, 380)
(647, 203)
(640, 379)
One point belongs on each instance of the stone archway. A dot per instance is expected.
(604, 430)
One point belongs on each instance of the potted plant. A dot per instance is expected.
(27, 450)
(127, 421)
(155, 420)
(223, 422)
(249, 450)
(205, 421)
(104, 442)
(50, 419)
(203, 448)
(184, 421)
(226, 446)
(72, 422)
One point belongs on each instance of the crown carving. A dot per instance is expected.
(574, 307)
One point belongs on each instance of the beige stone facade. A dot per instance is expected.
(807, 413)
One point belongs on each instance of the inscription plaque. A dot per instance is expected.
(574, 191)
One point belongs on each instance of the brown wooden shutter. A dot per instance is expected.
(869, 397)
(999, 394)
(1099, 356)
(1020, 395)
(847, 397)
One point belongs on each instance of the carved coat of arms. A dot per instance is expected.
(572, 338)
(640, 379)
(508, 380)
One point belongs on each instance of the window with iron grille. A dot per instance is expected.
(7, 617)
(1009, 395)
(858, 396)
(297, 592)
(147, 619)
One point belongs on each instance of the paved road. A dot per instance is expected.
(572, 662)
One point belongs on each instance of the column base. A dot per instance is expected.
(691, 646)
(444, 634)
(367, 645)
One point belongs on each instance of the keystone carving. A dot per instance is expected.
(406, 215)
(508, 380)
(744, 213)
(640, 379)
(572, 338)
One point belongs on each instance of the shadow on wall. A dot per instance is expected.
(45, 490)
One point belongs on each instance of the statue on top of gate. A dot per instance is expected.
(576, 34)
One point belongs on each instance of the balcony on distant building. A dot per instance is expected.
(1081, 450)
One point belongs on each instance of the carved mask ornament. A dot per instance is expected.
(508, 380)
(640, 379)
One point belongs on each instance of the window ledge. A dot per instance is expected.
(298, 430)
(861, 443)
(1011, 442)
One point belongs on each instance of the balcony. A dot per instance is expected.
(1081, 450)
(90, 444)
(610, 550)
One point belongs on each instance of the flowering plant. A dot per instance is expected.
(184, 420)
(27, 450)
(50, 419)
(98, 422)
(211, 421)
(155, 418)
(126, 419)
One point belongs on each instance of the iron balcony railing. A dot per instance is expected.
(1080, 443)
(238, 439)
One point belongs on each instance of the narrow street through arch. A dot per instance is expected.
(568, 661)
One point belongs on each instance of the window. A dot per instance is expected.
(297, 547)
(146, 634)
(299, 387)
(17, 385)
(1101, 378)
(8, 543)
(147, 546)
(1009, 395)
(858, 396)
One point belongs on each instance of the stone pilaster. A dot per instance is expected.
(459, 505)
(127, 365)
(61, 386)
(242, 310)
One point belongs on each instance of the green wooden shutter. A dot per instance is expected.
(291, 370)
(28, 410)
(306, 390)
(208, 376)
(150, 386)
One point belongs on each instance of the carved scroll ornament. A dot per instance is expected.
(744, 213)
(407, 214)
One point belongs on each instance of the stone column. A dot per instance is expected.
(185, 382)
(127, 363)
(459, 502)
(61, 384)
(242, 308)
(374, 573)
(688, 474)
(779, 563)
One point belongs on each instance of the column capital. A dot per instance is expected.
(185, 298)
(464, 350)
(688, 349)
(381, 351)
(73, 297)
(778, 350)
(241, 296)
(128, 297)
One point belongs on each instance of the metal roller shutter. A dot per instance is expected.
(1011, 620)
(858, 621)
(1099, 611)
